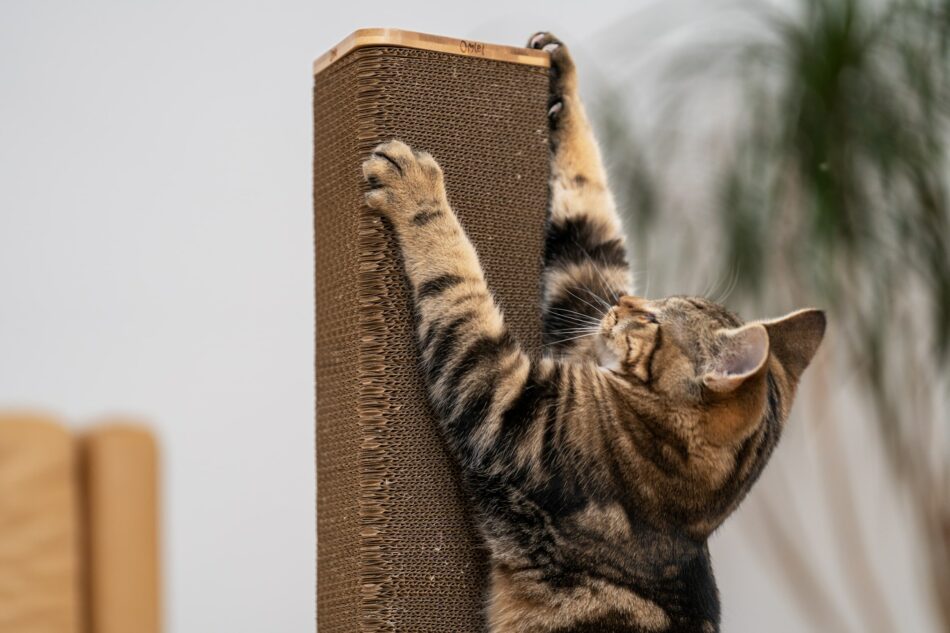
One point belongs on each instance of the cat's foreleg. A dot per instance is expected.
(585, 256)
(473, 366)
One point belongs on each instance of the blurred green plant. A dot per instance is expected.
(841, 179)
(836, 189)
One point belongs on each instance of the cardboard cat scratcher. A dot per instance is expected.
(396, 547)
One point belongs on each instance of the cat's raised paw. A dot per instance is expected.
(543, 40)
(402, 181)
(563, 73)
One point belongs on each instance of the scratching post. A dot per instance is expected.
(396, 546)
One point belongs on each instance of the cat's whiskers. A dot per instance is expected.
(712, 283)
(565, 340)
(577, 330)
(569, 311)
(598, 298)
(733, 282)
(580, 326)
(599, 311)
(610, 290)
(701, 291)
(573, 317)
(593, 264)
(577, 326)
(596, 268)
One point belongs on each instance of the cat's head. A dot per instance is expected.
(715, 390)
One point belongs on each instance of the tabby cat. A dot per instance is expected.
(600, 469)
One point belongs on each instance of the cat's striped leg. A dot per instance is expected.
(474, 368)
(585, 258)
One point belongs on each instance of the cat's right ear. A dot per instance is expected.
(795, 337)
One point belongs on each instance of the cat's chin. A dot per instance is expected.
(607, 359)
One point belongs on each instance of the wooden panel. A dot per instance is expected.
(120, 474)
(39, 566)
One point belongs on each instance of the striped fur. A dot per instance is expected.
(598, 470)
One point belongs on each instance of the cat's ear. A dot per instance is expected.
(795, 337)
(743, 352)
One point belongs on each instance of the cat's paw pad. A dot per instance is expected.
(563, 72)
(402, 181)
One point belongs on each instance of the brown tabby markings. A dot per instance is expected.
(599, 470)
(531, 608)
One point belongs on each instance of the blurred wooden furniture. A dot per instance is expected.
(39, 555)
(79, 540)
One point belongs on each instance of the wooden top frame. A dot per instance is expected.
(424, 41)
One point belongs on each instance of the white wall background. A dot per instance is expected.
(155, 260)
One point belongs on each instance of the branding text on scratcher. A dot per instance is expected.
(471, 48)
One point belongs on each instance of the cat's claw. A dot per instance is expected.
(563, 80)
(542, 39)
(561, 61)
(535, 40)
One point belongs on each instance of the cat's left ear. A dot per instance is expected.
(795, 337)
(742, 355)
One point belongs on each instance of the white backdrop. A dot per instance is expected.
(155, 260)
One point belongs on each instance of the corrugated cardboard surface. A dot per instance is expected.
(397, 550)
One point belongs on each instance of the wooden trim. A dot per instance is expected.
(411, 39)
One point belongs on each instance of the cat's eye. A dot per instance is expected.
(647, 318)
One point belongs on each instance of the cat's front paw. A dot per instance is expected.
(403, 184)
(563, 73)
